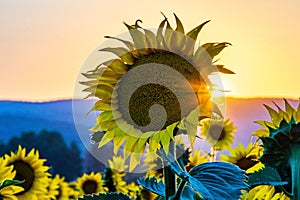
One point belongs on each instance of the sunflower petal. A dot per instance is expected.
(137, 36)
(159, 34)
(122, 53)
(165, 140)
(194, 32)
(107, 137)
(128, 44)
(179, 27)
(150, 39)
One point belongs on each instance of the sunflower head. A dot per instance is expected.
(156, 87)
(281, 141)
(91, 184)
(196, 159)
(219, 133)
(63, 190)
(7, 173)
(245, 158)
(31, 169)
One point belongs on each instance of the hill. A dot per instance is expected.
(16, 117)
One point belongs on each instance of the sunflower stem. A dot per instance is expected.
(295, 167)
(169, 176)
(213, 153)
(179, 191)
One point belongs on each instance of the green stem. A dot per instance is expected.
(179, 191)
(295, 168)
(170, 177)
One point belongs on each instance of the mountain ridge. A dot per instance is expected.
(18, 116)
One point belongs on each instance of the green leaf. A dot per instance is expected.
(198, 186)
(107, 196)
(266, 176)
(222, 180)
(189, 194)
(10, 182)
(153, 185)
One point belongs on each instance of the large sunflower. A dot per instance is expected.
(219, 133)
(91, 184)
(31, 169)
(7, 173)
(157, 86)
(245, 158)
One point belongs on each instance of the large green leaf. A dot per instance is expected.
(222, 180)
(106, 196)
(266, 176)
(153, 185)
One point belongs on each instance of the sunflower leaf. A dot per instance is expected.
(153, 185)
(189, 194)
(106, 196)
(9, 183)
(222, 180)
(266, 176)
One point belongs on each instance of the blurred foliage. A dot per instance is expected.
(64, 159)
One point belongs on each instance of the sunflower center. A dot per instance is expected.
(246, 163)
(217, 132)
(89, 187)
(24, 172)
(162, 79)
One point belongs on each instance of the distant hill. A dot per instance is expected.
(16, 117)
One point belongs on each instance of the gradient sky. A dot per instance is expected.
(44, 43)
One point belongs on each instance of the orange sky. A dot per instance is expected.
(44, 43)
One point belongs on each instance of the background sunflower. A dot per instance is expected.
(91, 184)
(219, 133)
(245, 158)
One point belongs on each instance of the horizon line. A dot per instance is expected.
(71, 98)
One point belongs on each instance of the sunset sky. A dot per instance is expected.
(44, 43)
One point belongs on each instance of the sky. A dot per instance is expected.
(43, 44)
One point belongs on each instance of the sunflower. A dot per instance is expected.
(31, 169)
(218, 133)
(63, 188)
(281, 143)
(52, 190)
(7, 173)
(157, 86)
(91, 184)
(245, 158)
(74, 192)
(264, 192)
(116, 171)
(196, 159)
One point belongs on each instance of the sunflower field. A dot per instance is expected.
(154, 103)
